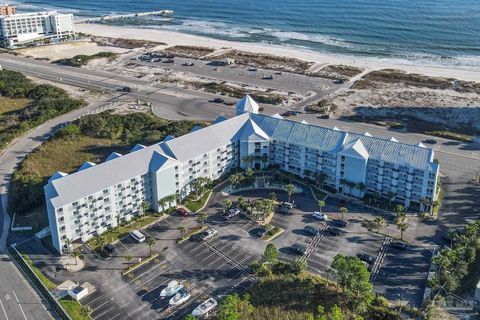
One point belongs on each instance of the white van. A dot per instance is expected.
(137, 235)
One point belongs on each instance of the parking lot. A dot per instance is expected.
(220, 265)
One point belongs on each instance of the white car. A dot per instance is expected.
(204, 308)
(320, 216)
(210, 233)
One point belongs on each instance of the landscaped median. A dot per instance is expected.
(191, 233)
(272, 233)
(139, 264)
(116, 233)
(196, 205)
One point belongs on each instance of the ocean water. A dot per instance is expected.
(445, 32)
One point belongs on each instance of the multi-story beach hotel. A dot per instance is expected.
(96, 197)
(20, 29)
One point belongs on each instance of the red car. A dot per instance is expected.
(182, 212)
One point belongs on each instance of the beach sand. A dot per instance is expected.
(369, 64)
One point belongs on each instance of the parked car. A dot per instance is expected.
(109, 248)
(339, 223)
(270, 77)
(320, 216)
(399, 245)
(299, 249)
(233, 212)
(137, 235)
(126, 89)
(183, 212)
(324, 116)
(365, 257)
(218, 100)
(278, 72)
(284, 210)
(430, 141)
(286, 204)
(312, 231)
(188, 64)
(339, 81)
(168, 61)
(208, 234)
(261, 232)
(334, 231)
(288, 114)
(252, 69)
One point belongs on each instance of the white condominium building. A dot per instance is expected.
(96, 197)
(19, 29)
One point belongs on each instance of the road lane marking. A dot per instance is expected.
(3, 308)
(21, 309)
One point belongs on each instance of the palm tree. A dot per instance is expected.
(273, 196)
(249, 172)
(435, 204)
(202, 216)
(75, 254)
(379, 221)
(145, 207)
(344, 211)
(321, 204)
(228, 203)
(100, 242)
(68, 243)
(403, 226)
(150, 242)
(171, 198)
(162, 202)
(321, 177)
(85, 312)
(289, 189)
(128, 258)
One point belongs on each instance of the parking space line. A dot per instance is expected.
(88, 303)
(100, 305)
(103, 313)
(18, 302)
(3, 308)
(151, 270)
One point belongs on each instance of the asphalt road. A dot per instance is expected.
(17, 298)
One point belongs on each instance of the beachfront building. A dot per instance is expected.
(17, 30)
(7, 10)
(97, 197)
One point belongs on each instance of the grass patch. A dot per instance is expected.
(73, 308)
(9, 104)
(81, 59)
(451, 135)
(139, 264)
(191, 233)
(440, 195)
(36, 218)
(118, 233)
(272, 233)
(196, 205)
(47, 282)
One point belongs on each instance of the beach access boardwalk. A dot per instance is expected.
(126, 16)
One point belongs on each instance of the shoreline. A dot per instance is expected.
(172, 38)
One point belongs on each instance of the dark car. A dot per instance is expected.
(182, 212)
(284, 210)
(334, 231)
(168, 61)
(260, 232)
(399, 245)
(288, 114)
(339, 223)
(127, 89)
(366, 258)
(339, 81)
(218, 100)
(430, 141)
(312, 231)
(299, 249)
(109, 248)
(324, 116)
